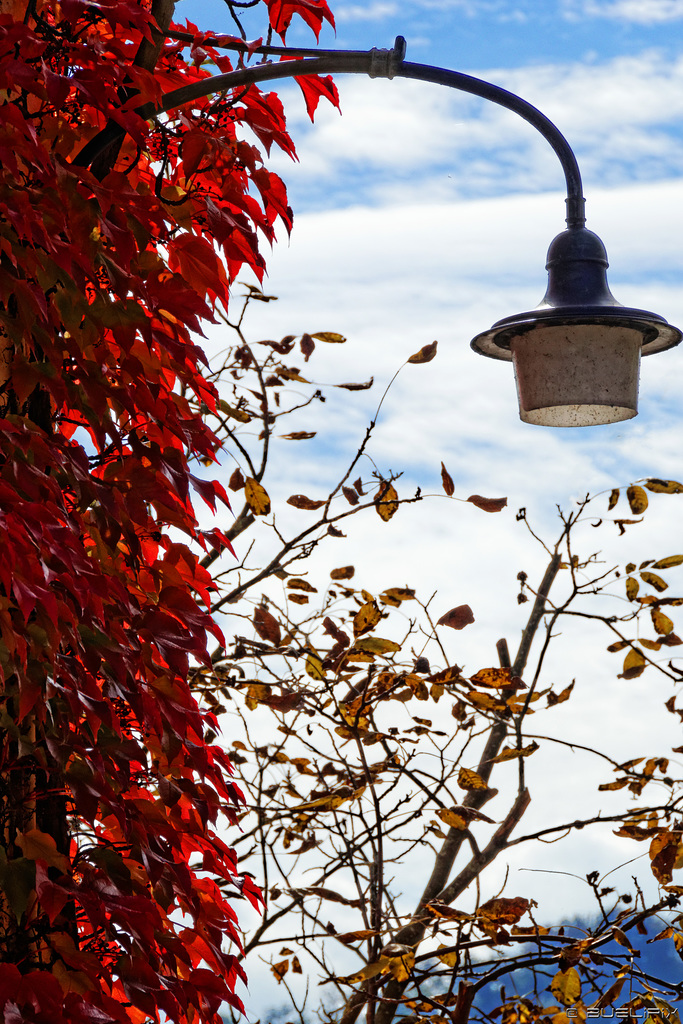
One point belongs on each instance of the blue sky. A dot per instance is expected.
(421, 214)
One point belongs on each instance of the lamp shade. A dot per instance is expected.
(577, 355)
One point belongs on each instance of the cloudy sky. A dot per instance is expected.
(423, 214)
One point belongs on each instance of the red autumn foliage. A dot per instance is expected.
(114, 886)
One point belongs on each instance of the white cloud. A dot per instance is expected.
(366, 12)
(641, 12)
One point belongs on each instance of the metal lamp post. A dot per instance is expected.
(577, 355)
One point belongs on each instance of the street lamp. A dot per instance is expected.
(577, 355)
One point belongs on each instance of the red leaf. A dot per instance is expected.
(314, 87)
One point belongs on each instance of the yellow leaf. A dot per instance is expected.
(386, 501)
(637, 499)
(664, 486)
(469, 779)
(331, 337)
(662, 623)
(256, 497)
(375, 645)
(668, 562)
(232, 412)
(452, 818)
(634, 664)
(485, 701)
(451, 959)
(566, 986)
(314, 667)
(369, 971)
(613, 499)
(366, 618)
(508, 753)
(632, 588)
(401, 966)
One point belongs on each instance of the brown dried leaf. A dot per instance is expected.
(297, 584)
(307, 346)
(349, 937)
(280, 969)
(267, 626)
(488, 504)
(664, 850)
(457, 618)
(299, 435)
(236, 481)
(301, 501)
(425, 355)
(654, 580)
(447, 481)
(330, 894)
(345, 572)
(560, 698)
(256, 497)
(297, 598)
(632, 588)
(505, 910)
(637, 499)
(350, 495)
(613, 499)
(365, 386)
(395, 595)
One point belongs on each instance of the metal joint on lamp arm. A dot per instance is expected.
(577, 355)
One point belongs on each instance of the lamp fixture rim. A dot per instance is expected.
(658, 334)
